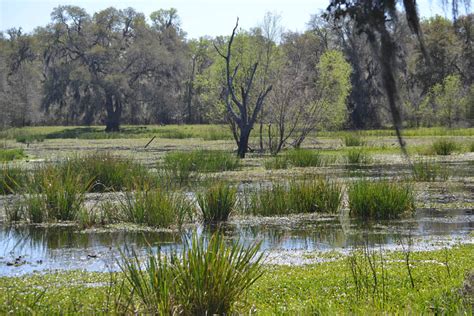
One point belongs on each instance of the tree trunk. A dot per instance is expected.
(243, 142)
(114, 114)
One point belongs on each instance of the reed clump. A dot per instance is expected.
(217, 202)
(306, 196)
(380, 199)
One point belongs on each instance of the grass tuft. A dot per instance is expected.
(381, 199)
(358, 156)
(444, 147)
(155, 208)
(298, 197)
(208, 278)
(217, 202)
(353, 140)
(305, 158)
(182, 165)
(429, 171)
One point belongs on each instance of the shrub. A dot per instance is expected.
(358, 156)
(352, 140)
(444, 147)
(217, 202)
(304, 158)
(424, 170)
(11, 154)
(380, 200)
(154, 207)
(208, 278)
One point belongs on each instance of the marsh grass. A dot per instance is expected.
(213, 276)
(209, 277)
(444, 147)
(306, 196)
(217, 202)
(182, 165)
(109, 173)
(358, 156)
(11, 154)
(52, 195)
(304, 158)
(12, 179)
(429, 171)
(155, 208)
(380, 199)
(353, 140)
(277, 162)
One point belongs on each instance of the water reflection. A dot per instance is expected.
(46, 248)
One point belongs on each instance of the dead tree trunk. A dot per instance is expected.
(239, 109)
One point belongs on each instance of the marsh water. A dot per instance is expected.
(446, 218)
(285, 240)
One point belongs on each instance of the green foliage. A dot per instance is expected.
(182, 165)
(334, 86)
(209, 278)
(285, 289)
(11, 154)
(110, 173)
(155, 208)
(358, 156)
(151, 283)
(11, 179)
(277, 162)
(217, 202)
(54, 195)
(352, 140)
(304, 158)
(380, 199)
(446, 103)
(213, 278)
(425, 170)
(299, 197)
(444, 147)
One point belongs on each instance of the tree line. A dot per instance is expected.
(118, 67)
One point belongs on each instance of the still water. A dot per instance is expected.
(26, 249)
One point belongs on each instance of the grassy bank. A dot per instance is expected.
(327, 288)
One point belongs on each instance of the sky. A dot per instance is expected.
(198, 17)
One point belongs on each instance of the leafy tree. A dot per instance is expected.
(446, 103)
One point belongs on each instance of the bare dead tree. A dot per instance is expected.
(241, 110)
